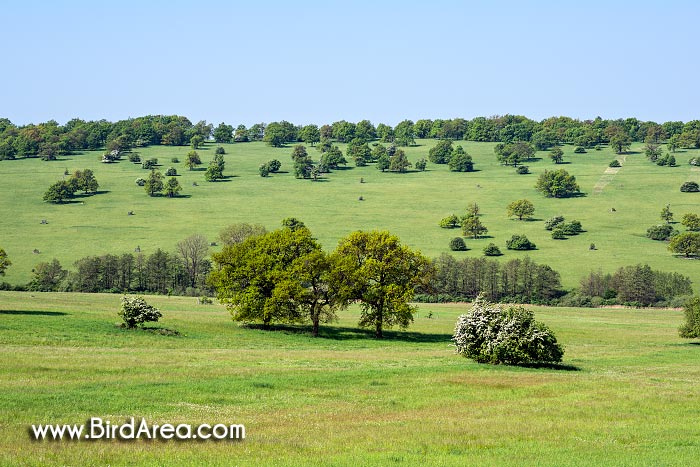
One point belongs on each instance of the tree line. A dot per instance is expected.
(49, 140)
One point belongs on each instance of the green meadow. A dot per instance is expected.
(615, 211)
(626, 393)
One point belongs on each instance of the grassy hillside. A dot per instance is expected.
(409, 205)
(627, 394)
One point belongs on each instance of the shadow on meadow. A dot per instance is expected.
(337, 333)
(32, 313)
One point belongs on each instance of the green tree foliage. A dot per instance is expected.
(404, 133)
(343, 131)
(399, 162)
(473, 209)
(514, 153)
(686, 243)
(59, 192)
(661, 232)
(521, 208)
(520, 242)
(441, 153)
(460, 161)
(279, 133)
(380, 273)
(4, 261)
(264, 170)
(620, 142)
(365, 131)
(303, 165)
(553, 222)
(450, 222)
(171, 172)
(223, 133)
(47, 277)
(653, 151)
(196, 141)
(154, 183)
(310, 134)
(359, 151)
(194, 251)
(558, 234)
(332, 159)
(666, 214)
(490, 333)
(172, 187)
(472, 226)
(421, 164)
(690, 187)
(557, 155)
(457, 244)
(215, 171)
(192, 160)
(135, 312)
(557, 184)
(150, 164)
(220, 150)
(237, 233)
(492, 250)
(385, 133)
(691, 221)
(522, 170)
(615, 163)
(84, 180)
(691, 328)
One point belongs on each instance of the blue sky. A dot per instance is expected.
(318, 62)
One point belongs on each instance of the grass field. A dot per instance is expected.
(626, 395)
(409, 205)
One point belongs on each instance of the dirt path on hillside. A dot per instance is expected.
(608, 176)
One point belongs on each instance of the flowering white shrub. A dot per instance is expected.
(135, 311)
(488, 333)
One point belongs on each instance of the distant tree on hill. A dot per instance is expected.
(519, 242)
(192, 160)
(441, 153)
(557, 184)
(223, 133)
(59, 192)
(404, 133)
(691, 328)
(236, 233)
(310, 134)
(172, 187)
(47, 277)
(460, 161)
(690, 187)
(666, 214)
(421, 164)
(399, 162)
(196, 141)
(691, 222)
(521, 208)
(85, 181)
(154, 183)
(686, 243)
(514, 153)
(457, 244)
(557, 155)
(471, 225)
(215, 171)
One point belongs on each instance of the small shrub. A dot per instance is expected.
(520, 242)
(175, 160)
(553, 222)
(204, 300)
(171, 172)
(580, 150)
(274, 165)
(135, 311)
(457, 244)
(661, 232)
(220, 150)
(570, 228)
(492, 250)
(488, 333)
(614, 163)
(264, 170)
(690, 187)
(140, 181)
(421, 164)
(149, 164)
(558, 234)
(694, 161)
(134, 157)
(522, 170)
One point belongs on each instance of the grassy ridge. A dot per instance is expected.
(627, 397)
(409, 205)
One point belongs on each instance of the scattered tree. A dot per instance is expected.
(691, 221)
(522, 170)
(399, 162)
(615, 163)
(520, 242)
(215, 171)
(4, 261)
(492, 250)
(441, 153)
(450, 222)
(237, 233)
(521, 208)
(690, 187)
(171, 172)
(59, 192)
(557, 184)
(686, 243)
(666, 214)
(192, 160)
(557, 155)
(471, 225)
(457, 244)
(154, 183)
(381, 274)
(47, 277)
(661, 232)
(421, 164)
(194, 251)
(172, 187)
(552, 223)
(460, 161)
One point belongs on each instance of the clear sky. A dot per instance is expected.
(321, 61)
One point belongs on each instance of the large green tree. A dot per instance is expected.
(59, 192)
(691, 328)
(686, 243)
(223, 133)
(460, 161)
(154, 183)
(557, 184)
(382, 274)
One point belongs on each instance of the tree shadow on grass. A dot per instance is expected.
(32, 313)
(550, 366)
(338, 333)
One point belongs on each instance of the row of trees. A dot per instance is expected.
(635, 285)
(517, 280)
(62, 190)
(182, 272)
(50, 140)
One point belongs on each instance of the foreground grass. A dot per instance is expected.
(409, 205)
(627, 394)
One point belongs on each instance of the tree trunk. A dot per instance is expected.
(378, 330)
(314, 331)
